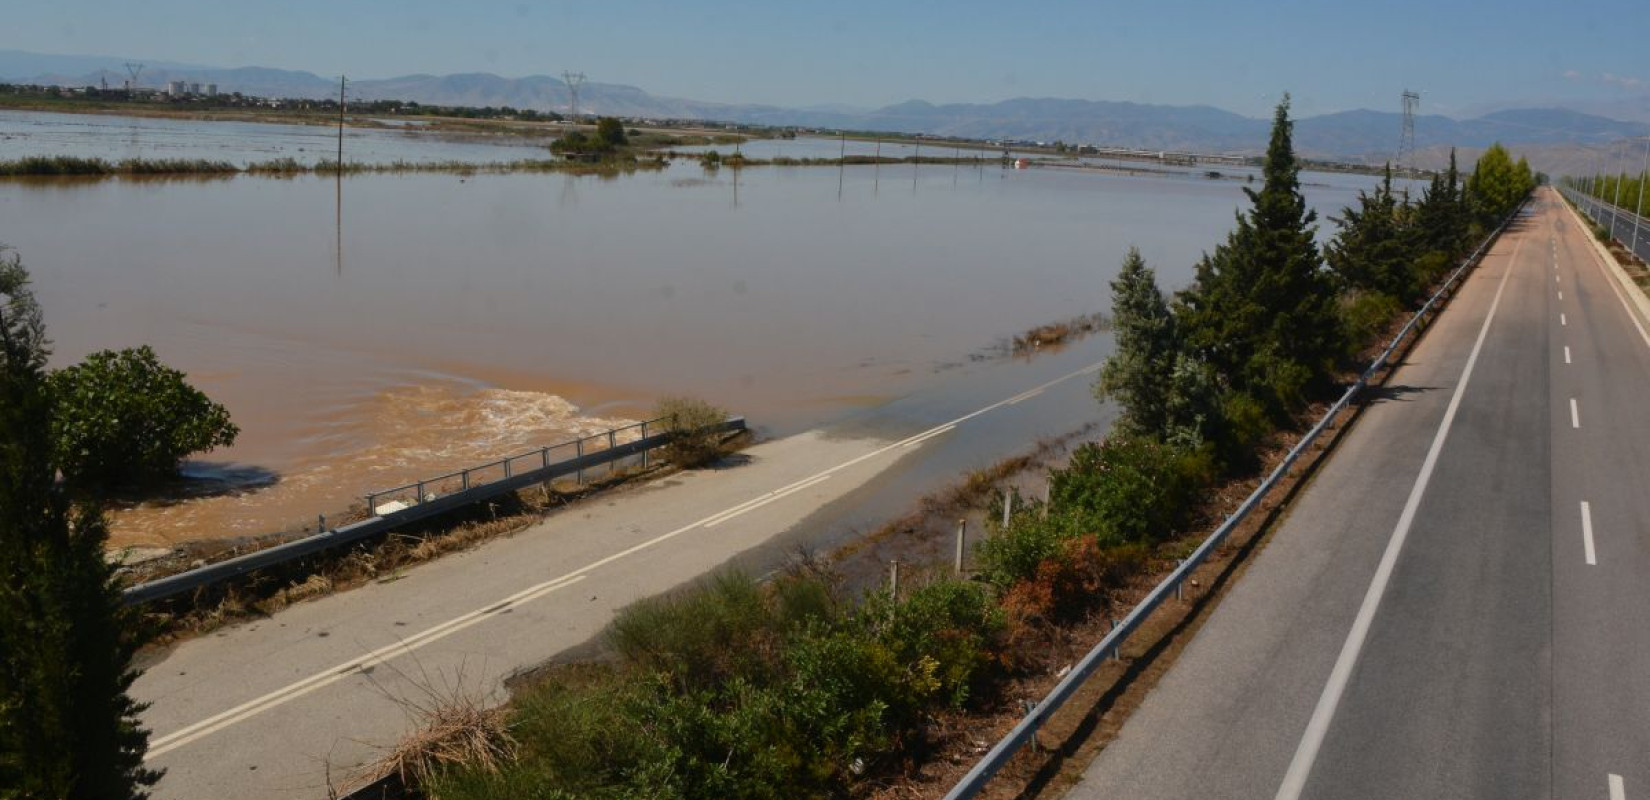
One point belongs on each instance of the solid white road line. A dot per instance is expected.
(1566, 354)
(1575, 416)
(929, 435)
(164, 744)
(1618, 788)
(293, 691)
(1300, 767)
(1587, 533)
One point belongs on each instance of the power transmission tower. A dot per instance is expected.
(133, 70)
(1406, 143)
(573, 81)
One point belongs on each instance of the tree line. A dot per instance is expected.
(1623, 190)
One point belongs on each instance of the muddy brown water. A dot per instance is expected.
(397, 326)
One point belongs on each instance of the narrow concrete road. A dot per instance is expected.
(1457, 606)
(283, 707)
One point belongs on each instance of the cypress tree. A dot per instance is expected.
(68, 729)
(1262, 310)
(1138, 375)
(1372, 251)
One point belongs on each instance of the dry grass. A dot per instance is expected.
(1059, 333)
(451, 728)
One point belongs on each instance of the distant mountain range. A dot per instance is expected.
(1361, 134)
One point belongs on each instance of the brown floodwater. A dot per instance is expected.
(367, 333)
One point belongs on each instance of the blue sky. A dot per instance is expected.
(1463, 56)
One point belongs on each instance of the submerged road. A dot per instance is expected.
(287, 706)
(1458, 606)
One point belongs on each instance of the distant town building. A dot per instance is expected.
(175, 88)
(211, 90)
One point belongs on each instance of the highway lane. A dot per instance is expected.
(281, 707)
(1466, 648)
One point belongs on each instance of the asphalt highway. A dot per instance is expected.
(1458, 606)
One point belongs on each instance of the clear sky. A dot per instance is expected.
(1463, 56)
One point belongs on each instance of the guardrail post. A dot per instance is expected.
(578, 452)
(320, 523)
(962, 538)
(893, 580)
(612, 442)
(1117, 648)
(1180, 585)
(464, 478)
(1008, 508)
(645, 450)
(506, 467)
(372, 510)
(420, 492)
(544, 458)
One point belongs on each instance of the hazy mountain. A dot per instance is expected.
(1371, 135)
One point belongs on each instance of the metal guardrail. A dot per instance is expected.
(1631, 230)
(976, 779)
(430, 504)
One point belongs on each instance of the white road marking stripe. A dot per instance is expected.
(1587, 533)
(1562, 320)
(164, 744)
(1566, 354)
(1025, 396)
(1618, 789)
(1575, 416)
(777, 496)
(1294, 780)
(1561, 295)
(325, 678)
(929, 435)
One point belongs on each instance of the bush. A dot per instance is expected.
(688, 421)
(123, 417)
(1128, 488)
(1365, 315)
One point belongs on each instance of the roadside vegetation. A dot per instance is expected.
(1629, 192)
(788, 688)
(68, 728)
(71, 166)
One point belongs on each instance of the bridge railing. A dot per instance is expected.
(397, 506)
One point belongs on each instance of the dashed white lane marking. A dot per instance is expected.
(1300, 767)
(1561, 295)
(1566, 354)
(164, 744)
(1587, 534)
(1575, 416)
(1618, 787)
(1563, 320)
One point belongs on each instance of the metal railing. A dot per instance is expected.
(431, 497)
(1631, 230)
(976, 779)
(423, 491)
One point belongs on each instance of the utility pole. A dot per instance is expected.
(1406, 141)
(573, 80)
(1638, 208)
(340, 125)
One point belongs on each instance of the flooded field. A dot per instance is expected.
(387, 327)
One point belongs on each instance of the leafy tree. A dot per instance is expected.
(1262, 311)
(123, 417)
(610, 133)
(1373, 250)
(1497, 184)
(68, 728)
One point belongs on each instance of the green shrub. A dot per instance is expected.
(123, 417)
(1127, 488)
(688, 421)
(1365, 315)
